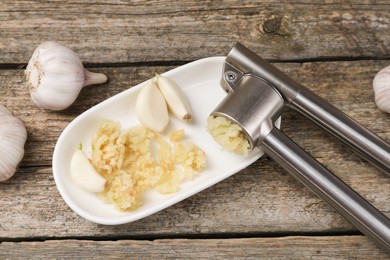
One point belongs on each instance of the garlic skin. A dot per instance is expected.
(151, 108)
(55, 76)
(174, 96)
(13, 136)
(381, 86)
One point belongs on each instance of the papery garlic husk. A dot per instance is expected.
(381, 86)
(174, 96)
(55, 76)
(151, 108)
(13, 136)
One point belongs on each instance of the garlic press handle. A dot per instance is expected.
(242, 61)
(369, 220)
(348, 131)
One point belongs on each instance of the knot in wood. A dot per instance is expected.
(271, 24)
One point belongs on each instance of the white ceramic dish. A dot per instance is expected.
(200, 81)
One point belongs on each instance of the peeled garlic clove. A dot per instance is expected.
(13, 136)
(381, 86)
(84, 174)
(175, 98)
(151, 108)
(55, 75)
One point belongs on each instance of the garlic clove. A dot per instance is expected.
(84, 174)
(55, 76)
(175, 98)
(151, 108)
(381, 86)
(13, 136)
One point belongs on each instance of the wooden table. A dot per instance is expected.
(335, 49)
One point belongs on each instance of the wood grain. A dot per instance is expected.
(333, 47)
(126, 32)
(348, 247)
(347, 85)
(260, 199)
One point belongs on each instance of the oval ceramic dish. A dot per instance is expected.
(200, 81)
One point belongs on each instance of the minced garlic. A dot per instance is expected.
(137, 159)
(228, 134)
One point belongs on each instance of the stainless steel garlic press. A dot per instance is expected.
(256, 94)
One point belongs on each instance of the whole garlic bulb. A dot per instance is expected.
(55, 76)
(13, 136)
(381, 85)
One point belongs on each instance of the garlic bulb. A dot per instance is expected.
(175, 98)
(151, 108)
(55, 75)
(381, 85)
(13, 136)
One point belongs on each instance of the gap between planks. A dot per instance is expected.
(169, 63)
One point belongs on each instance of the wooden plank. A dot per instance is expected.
(345, 84)
(126, 32)
(253, 214)
(327, 247)
(41, 142)
(260, 199)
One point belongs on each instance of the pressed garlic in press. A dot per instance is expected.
(228, 134)
(13, 136)
(55, 76)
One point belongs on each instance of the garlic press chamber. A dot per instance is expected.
(256, 95)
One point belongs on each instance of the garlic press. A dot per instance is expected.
(256, 95)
